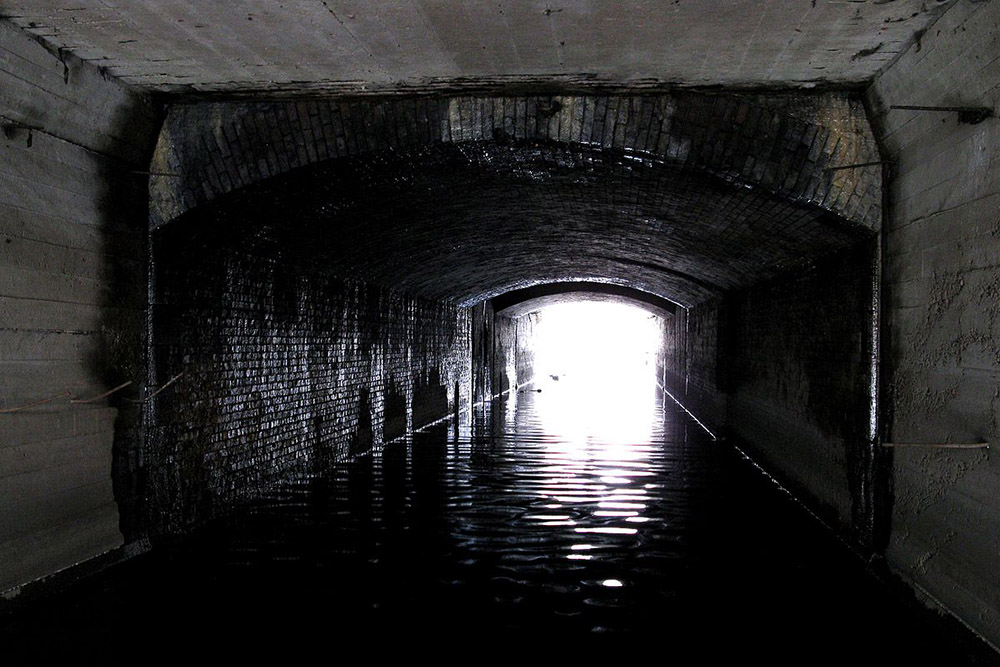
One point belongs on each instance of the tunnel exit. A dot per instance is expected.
(595, 367)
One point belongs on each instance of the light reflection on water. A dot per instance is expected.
(594, 401)
(585, 470)
(505, 530)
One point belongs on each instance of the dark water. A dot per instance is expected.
(490, 539)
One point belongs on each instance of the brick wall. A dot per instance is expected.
(781, 143)
(73, 222)
(486, 371)
(505, 349)
(942, 282)
(514, 352)
(704, 393)
(524, 348)
(519, 213)
(690, 359)
(285, 368)
(671, 357)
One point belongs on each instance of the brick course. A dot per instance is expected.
(467, 222)
(285, 368)
(782, 143)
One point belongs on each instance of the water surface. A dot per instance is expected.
(540, 520)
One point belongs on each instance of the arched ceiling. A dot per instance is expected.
(469, 221)
(346, 46)
(683, 196)
(814, 148)
(520, 302)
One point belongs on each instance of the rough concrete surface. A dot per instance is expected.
(179, 46)
(72, 221)
(942, 282)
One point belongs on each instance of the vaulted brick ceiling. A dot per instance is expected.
(255, 46)
(517, 303)
(684, 196)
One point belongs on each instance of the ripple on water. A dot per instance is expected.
(672, 538)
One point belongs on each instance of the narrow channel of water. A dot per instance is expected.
(536, 520)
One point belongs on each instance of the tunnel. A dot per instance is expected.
(272, 344)
(508, 200)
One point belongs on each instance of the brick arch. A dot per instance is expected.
(526, 300)
(517, 303)
(788, 144)
(468, 221)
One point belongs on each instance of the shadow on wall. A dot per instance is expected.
(394, 425)
(363, 438)
(430, 399)
(785, 369)
(120, 356)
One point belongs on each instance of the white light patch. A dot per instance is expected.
(606, 504)
(608, 530)
(595, 369)
(595, 363)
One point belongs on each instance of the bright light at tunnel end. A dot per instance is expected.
(595, 363)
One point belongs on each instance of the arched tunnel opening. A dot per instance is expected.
(603, 357)
(324, 291)
(595, 364)
(353, 351)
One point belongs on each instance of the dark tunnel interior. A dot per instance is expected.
(296, 304)
(317, 314)
(344, 296)
(334, 328)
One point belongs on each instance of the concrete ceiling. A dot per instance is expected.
(350, 46)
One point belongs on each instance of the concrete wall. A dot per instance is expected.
(797, 369)
(72, 293)
(286, 368)
(297, 47)
(942, 289)
(785, 367)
